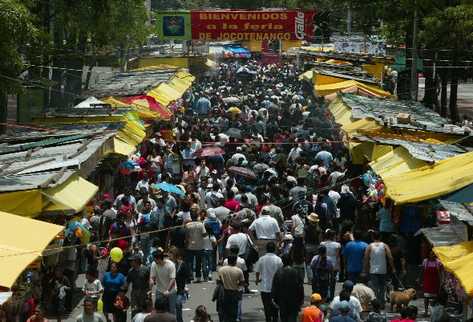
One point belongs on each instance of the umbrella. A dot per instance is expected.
(231, 100)
(211, 151)
(168, 187)
(244, 172)
(234, 110)
(234, 133)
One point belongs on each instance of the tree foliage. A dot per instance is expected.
(16, 31)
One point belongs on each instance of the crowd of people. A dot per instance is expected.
(264, 185)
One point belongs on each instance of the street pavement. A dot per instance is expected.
(201, 294)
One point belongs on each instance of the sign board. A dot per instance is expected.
(241, 25)
(174, 25)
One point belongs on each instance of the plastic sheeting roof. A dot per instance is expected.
(419, 150)
(385, 112)
(459, 211)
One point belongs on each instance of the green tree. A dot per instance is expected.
(16, 31)
(452, 30)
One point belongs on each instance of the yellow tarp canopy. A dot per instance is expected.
(458, 259)
(395, 163)
(431, 181)
(167, 92)
(25, 203)
(143, 112)
(123, 148)
(22, 240)
(73, 194)
(307, 76)
(342, 115)
(367, 151)
(330, 88)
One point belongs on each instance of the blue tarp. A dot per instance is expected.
(237, 51)
(464, 195)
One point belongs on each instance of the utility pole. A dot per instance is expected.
(349, 17)
(414, 86)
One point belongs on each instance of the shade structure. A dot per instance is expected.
(370, 90)
(73, 195)
(25, 203)
(458, 259)
(123, 148)
(22, 240)
(431, 181)
(148, 102)
(395, 163)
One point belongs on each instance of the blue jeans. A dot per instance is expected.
(146, 241)
(200, 267)
(208, 262)
(180, 300)
(378, 283)
(172, 300)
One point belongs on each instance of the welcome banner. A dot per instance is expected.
(235, 25)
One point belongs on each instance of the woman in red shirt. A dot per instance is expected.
(431, 276)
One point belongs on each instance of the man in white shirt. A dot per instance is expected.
(354, 302)
(265, 229)
(265, 269)
(237, 239)
(163, 275)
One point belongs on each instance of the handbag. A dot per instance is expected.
(251, 254)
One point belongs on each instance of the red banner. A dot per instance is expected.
(240, 25)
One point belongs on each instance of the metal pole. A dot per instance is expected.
(414, 86)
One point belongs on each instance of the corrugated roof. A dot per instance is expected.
(445, 235)
(50, 158)
(347, 74)
(127, 84)
(385, 112)
(31, 181)
(419, 150)
(459, 211)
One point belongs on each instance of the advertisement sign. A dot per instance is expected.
(174, 25)
(239, 25)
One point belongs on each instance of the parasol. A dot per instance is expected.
(231, 100)
(168, 187)
(244, 172)
(211, 151)
(234, 110)
(234, 133)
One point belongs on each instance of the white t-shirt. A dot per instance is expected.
(241, 263)
(354, 303)
(297, 225)
(240, 240)
(140, 317)
(333, 248)
(208, 242)
(93, 289)
(265, 227)
(378, 263)
(267, 266)
(163, 274)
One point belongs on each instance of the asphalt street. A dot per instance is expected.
(201, 294)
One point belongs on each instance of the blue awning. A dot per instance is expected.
(237, 51)
(464, 195)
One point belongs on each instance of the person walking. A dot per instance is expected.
(312, 313)
(232, 279)
(322, 271)
(89, 314)
(344, 309)
(161, 313)
(353, 254)
(138, 278)
(265, 269)
(163, 275)
(333, 254)
(288, 291)
(265, 229)
(195, 233)
(112, 282)
(377, 257)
